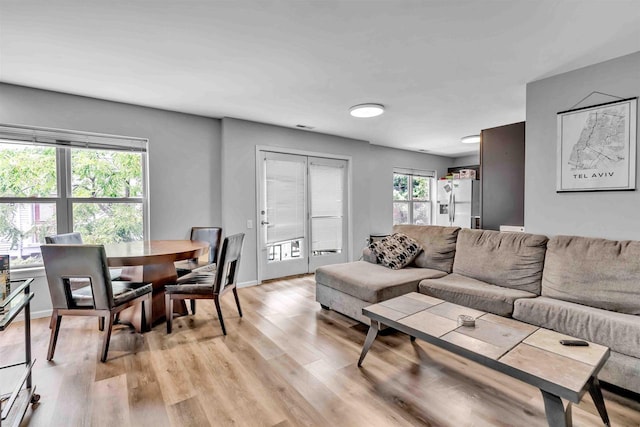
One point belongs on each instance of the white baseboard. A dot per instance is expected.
(247, 284)
(34, 315)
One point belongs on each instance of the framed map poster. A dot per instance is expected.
(597, 147)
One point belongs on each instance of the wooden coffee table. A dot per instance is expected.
(526, 352)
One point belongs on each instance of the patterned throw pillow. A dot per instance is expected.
(395, 251)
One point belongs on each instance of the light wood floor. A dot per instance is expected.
(287, 362)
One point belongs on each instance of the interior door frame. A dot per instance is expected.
(286, 150)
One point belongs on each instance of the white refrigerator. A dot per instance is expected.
(458, 202)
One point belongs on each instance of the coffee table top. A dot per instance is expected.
(524, 351)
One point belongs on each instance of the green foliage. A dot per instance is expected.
(420, 188)
(30, 171)
(101, 223)
(27, 171)
(105, 174)
(400, 187)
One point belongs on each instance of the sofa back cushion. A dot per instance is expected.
(512, 260)
(596, 272)
(438, 245)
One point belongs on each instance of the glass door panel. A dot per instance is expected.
(283, 215)
(328, 211)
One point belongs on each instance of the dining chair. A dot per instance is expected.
(67, 238)
(76, 238)
(209, 285)
(212, 235)
(206, 234)
(100, 297)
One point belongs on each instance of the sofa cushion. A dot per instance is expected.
(597, 272)
(395, 251)
(620, 332)
(372, 282)
(438, 245)
(512, 260)
(621, 370)
(473, 293)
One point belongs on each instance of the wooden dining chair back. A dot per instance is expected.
(226, 273)
(67, 238)
(100, 297)
(212, 235)
(210, 285)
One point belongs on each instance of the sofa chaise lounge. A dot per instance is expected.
(585, 287)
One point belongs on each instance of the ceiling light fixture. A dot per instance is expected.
(366, 110)
(471, 139)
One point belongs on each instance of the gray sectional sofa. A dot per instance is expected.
(585, 287)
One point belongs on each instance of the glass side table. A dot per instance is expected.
(14, 404)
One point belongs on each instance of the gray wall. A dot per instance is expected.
(240, 139)
(184, 150)
(382, 162)
(609, 214)
(471, 160)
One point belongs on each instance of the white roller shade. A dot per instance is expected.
(285, 191)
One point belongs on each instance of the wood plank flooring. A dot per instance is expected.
(287, 362)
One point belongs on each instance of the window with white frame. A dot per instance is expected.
(412, 198)
(54, 181)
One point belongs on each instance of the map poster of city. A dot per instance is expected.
(597, 147)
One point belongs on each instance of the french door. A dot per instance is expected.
(302, 214)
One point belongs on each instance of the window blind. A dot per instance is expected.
(327, 184)
(19, 134)
(415, 172)
(285, 192)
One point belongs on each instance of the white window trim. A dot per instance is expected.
(65, 140)
(421, 173)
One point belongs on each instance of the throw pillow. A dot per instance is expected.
(395, 251)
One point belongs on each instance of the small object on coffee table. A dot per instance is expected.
(574, 343)
(464, 320)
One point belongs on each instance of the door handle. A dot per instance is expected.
(264, 222)
(453, 206)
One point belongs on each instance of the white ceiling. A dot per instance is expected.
(444, 69)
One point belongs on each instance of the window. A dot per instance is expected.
(54, 182)
(412, 197)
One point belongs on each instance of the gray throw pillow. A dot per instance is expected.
(395, 251)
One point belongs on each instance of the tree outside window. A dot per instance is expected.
(411, 199)
(104, 201)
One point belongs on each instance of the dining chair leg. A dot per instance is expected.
(235, 294)
(101, 323)
(168, 302)
(216, 299)
(55, 328)
(146, 314)
(193, 306)
(107, 337)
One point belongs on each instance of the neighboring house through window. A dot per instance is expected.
(56, 181)
(412, 198)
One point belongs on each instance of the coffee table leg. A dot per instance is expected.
(596, 395)
(371, 336)
(557, 414)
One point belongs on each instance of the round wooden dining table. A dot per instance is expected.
(152, 261)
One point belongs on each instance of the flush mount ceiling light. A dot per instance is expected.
(471, 139)
(366, 110)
